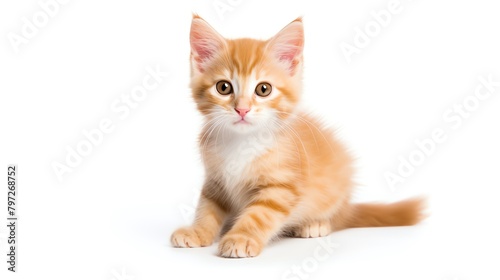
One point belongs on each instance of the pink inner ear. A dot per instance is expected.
(202, 51)
(290, 50)
(289, 56)
(287, 45)
(205, 42)
(200, 42)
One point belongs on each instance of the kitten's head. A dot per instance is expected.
(246, 85)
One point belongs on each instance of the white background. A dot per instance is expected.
(111, 217)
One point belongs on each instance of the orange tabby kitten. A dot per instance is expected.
(271, 169)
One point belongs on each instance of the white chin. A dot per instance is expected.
(243, 127)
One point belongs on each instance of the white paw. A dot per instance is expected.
(315, 229)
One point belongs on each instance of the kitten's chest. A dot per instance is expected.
(239, 164)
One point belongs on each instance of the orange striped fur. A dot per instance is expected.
(271, 169)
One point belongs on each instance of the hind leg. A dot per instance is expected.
(314, 229)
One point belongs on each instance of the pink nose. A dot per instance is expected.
(241, 111)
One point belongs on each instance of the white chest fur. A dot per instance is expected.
(238, 153)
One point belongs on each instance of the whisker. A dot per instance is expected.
(290, 130)
(309, 125)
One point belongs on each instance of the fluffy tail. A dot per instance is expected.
(403, 213)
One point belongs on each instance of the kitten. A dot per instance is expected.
(270, 168)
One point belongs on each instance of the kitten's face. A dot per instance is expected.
(246, 85)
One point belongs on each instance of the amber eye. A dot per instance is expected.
(224, 87)
(263, 89)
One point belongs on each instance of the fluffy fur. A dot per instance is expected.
(271, 169)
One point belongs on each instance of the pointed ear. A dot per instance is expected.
(205, 43)
(288, 44)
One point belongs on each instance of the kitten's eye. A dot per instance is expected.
(263, 89)
(224, 87)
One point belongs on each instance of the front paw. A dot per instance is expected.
(239, 246)
(190, 237)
